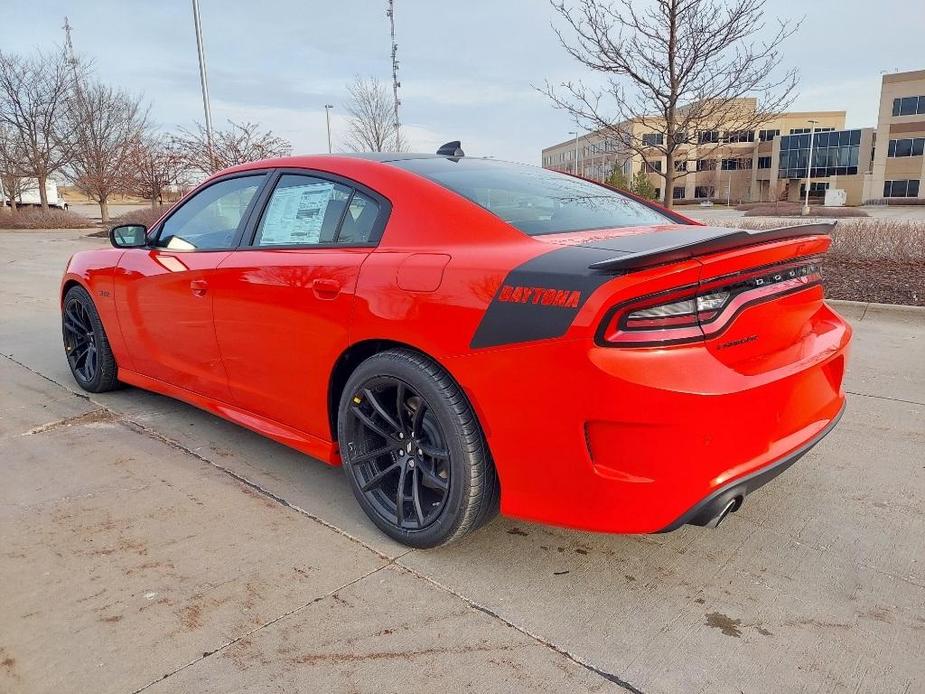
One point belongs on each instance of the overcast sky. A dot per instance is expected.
(467, 66)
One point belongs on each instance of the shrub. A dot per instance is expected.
(42, 219)
(896, 201)
(869, 239)
(880, 260)
(147, 216)
(795, 209)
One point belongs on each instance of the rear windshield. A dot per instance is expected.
(536, 201)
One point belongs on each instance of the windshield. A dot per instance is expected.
(535, 200)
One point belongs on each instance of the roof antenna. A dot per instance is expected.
(451, 149)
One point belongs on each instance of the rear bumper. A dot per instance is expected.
(706, 511)
(642, 440)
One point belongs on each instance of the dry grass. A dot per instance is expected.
(794, 209)
(868, 239)
(41, 219)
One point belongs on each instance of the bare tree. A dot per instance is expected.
(108, 125)
(156, 165)
(33, 100)
(372, 117)
(239, 143)
(11, 169)
(694, 68)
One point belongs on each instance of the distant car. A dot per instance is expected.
(706, 203)
(454, 330)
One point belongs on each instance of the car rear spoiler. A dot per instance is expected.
(639, 251)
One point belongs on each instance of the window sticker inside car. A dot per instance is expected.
(295, 214)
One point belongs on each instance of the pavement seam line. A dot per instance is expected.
(885, 397)
(147, 431)
(273, 621)
(156, 435)
(609, 676)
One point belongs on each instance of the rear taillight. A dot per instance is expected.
(692, 313)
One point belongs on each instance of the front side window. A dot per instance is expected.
(535, 201)
(211, 219)
(309, 211)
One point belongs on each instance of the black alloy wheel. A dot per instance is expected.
(80, 342)
(404, 470)
(413, 451)
(85, 343)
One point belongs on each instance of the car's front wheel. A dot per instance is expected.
(85, 343)
(413, 450)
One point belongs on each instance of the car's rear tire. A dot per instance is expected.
(85, 343)
(413, 450)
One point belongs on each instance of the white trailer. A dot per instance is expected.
(29, 197)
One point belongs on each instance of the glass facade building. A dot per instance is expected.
(835, 153)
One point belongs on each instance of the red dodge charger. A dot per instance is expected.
(464, 334)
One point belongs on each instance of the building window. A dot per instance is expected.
(706, 164)
(680, 165)
(740, 136)
(764, 162)
(835, 153)
(816, 189)
(901, 189)
(906, 147)
(736, 163)
(652, 139)
(707, 136)
(909, 105)
(703, 191)
(654, 166)
(658, 194)
(767, 135)
(677, 193)
(805, 131)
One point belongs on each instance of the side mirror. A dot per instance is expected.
(129, 236)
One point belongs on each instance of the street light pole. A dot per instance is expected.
(203, 79)
(809, 164)
(327, 118)
(575, 133)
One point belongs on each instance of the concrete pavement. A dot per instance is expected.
(147, 545)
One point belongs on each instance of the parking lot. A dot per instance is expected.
(146, 545)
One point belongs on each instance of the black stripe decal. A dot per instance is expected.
(538, 299)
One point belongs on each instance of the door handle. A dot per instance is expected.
(199, 287)
(325, 288)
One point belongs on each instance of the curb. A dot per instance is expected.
(862, 309)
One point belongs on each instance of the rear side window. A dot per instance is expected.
(536, 201)
(358, 223)
(309, 211)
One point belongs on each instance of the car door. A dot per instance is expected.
(283, 300)
(163, 294)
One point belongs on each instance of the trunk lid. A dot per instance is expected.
(754, 301)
